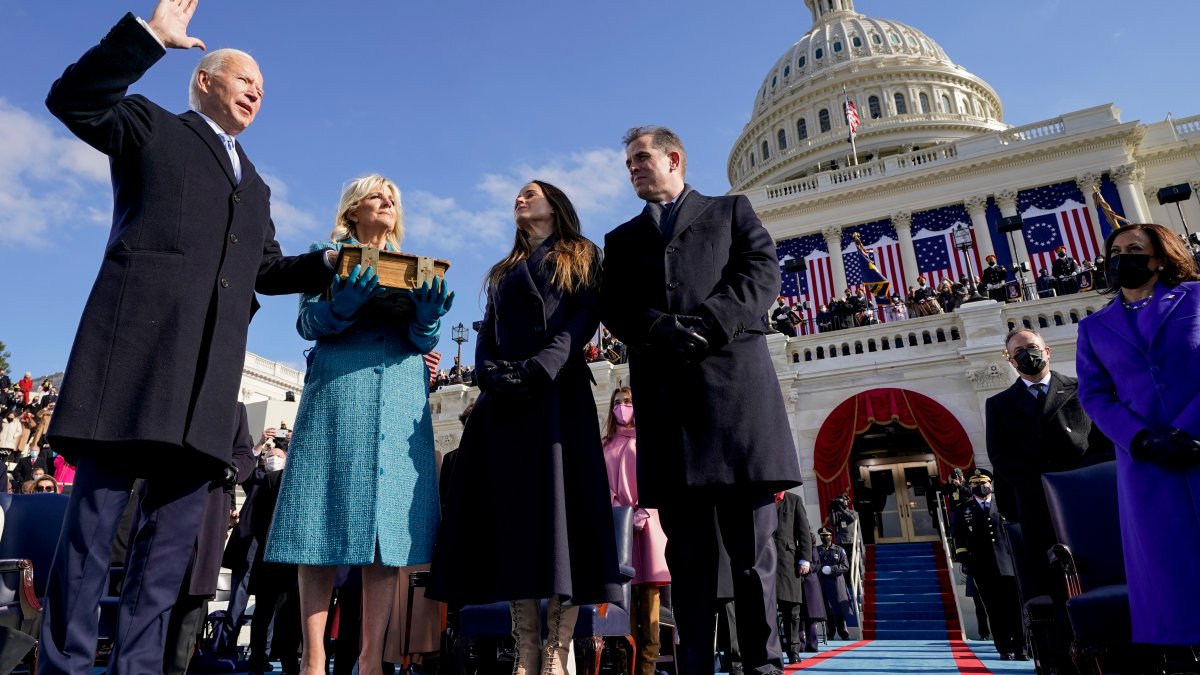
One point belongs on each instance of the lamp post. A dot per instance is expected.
(963, 241)
(460, 336)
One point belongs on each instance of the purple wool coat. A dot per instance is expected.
(1138, 370)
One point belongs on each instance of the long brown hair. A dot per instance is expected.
(573, 260)
(1178, 264)
(611, 427)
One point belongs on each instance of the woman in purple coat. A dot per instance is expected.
(1138, 360)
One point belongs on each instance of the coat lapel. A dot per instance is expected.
(197, 124)
(1110, 317)
(1060, 392)
(1172, 298)
(694, 205)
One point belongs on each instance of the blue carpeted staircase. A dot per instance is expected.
(908, 595)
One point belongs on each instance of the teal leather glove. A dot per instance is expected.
(431, 301)
(352, 292)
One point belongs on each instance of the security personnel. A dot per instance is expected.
(831, 566)
(782, 319)
(983, 550)
(994, 277)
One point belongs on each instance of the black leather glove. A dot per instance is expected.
(518, 377)
(679, 335)
(1170, 447)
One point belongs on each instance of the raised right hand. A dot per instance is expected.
(170, 21)
(352, 292)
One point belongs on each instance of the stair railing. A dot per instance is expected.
(858, 569)
(955, 579)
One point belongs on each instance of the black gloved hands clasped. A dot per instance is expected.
(1170, 447)
(515, 377)
(679, 335)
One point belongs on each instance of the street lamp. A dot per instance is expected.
(963, 241)
(460, 336)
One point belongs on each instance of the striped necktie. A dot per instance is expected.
(233, 157)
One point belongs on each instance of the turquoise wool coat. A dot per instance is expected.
(361, 467)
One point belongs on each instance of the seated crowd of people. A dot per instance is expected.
(25, 413)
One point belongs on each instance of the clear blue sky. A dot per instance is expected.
(461, 102)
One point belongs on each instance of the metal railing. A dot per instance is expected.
(857, 572)
(948, 554)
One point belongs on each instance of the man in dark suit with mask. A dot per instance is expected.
(687, 284)
(1037, 426)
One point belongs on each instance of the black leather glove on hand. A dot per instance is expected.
(517, 377)
(678, 336)
(1169, 447)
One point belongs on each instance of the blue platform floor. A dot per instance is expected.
(886, 657)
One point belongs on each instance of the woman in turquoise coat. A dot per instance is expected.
(360, 487)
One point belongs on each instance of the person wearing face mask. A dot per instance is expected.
(1036, 426)
(1137, 360)
(10, 433)
(983, 551)
(832, 564)
(1065, 270)
(781, 317)
(649, 541)
(993, 278)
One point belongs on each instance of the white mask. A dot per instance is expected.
(273, 463)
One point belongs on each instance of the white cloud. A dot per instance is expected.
(48, 179)
(291, 222)
(595, 180)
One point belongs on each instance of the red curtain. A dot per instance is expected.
(835, 440)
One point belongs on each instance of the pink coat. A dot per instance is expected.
(63, 471)
(649, 541)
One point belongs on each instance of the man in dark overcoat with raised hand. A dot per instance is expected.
(687, 284)
(153, 376)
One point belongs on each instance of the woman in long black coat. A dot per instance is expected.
(528, 513)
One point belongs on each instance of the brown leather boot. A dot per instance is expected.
(560, 626)
(527, 632)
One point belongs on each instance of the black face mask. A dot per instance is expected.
(826, 540)
(992, 263)
(1030, 362)
(1130, 270)
(981, 491)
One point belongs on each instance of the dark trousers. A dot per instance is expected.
(1003, 605)
(168, 521)
(697, 528)
(799, 634)
(187, 621)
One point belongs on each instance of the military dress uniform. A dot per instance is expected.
(833, 584)
(983, 550)
(1065, 270)
(994, 277)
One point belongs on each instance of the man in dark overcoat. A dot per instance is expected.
(831, 566)
(687, 283)
(795, 585)
(983, 551)
(156, 363)
(1037, 426)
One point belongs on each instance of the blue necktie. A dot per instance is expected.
(664, 221)
(233, 157)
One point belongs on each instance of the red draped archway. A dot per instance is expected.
(945, 436)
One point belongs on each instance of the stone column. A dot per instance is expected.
(977, 209)
(902, 221)
(1007, 201)
(1129, 185)
(1088, 183)
(833, 240)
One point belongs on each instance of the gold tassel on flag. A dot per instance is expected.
(1116, 221)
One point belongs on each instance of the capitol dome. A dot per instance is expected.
(908, 94)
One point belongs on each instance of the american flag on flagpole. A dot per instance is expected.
(432, 359)
(851, 115)
(1069, 226)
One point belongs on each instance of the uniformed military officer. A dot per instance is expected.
(831, 565)
(983, 550)
(782, 319)
(1066, 271)
(994, 277)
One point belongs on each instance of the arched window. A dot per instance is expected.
(873, 107)
(946, 103)
(802, 129)
(787, 70)
(837, 46)
(766, 151)
(803, 60)
(782, 138)
(901, 106)
(924, 102)
(819, 53)
(774, 81)
(877, 38)
(894, 38)
(752, 160)
(823, 119)
(856, 41)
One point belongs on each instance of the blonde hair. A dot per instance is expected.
(352, 195)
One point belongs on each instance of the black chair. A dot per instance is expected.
(1037, 612)
(601, 630)
(1083, 509)
(31, 527)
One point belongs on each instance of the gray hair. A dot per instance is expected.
(212, 63)
(662, 139)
